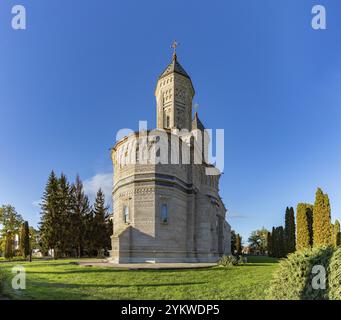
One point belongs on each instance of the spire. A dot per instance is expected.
(174, 66)
(196, 123)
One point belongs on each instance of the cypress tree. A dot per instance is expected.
(269, 244)
(24, 239)
(274, 242)
(239, 244)
(337, 234)
(290, 230)
(282, 250)
(322, 231)
(304, 221)
(233, 241)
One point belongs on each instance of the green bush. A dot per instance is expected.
(229, 261)
(2, 279)
(293, 279)
(335, 276)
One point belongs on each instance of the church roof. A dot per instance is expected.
(196, 123)
(176, 67)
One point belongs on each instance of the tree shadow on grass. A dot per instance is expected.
(91, 285)
(88, 270)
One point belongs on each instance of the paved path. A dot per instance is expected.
(147, 266)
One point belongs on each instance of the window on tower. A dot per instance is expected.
(164, 213)
(125, 214)
(167, 122)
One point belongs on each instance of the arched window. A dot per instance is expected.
(125, 214)
(164, 213)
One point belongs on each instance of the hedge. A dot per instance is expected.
(293, 279)
(335, 276)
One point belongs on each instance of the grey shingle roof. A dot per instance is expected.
(176, 67)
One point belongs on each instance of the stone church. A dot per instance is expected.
(166, 203)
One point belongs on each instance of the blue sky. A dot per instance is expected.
(82, 70)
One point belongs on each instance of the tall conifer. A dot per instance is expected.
(290, 230)
(322, 230)
(304, 222)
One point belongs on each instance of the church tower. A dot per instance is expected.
(174, 95)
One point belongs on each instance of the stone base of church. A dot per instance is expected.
(162, 257)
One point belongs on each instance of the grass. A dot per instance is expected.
(65, 281)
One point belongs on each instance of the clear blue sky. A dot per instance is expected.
(84, 69)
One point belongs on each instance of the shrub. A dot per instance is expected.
(228, 261)
(293, 279)
(335, 276)
(2, 279)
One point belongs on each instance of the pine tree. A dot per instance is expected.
(290, 230)
(9, 252)
(337, 234)
(64, 216)
(25, 240)
(49, 215)
(80, 213)
(322, 231)
(304, 221)
(101, 217)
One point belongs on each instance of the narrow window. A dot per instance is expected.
(168, 122)
(125, 214)
(164, 213)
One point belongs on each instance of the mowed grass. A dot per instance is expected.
(64, 281)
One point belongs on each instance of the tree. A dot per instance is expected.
(10, 220)
(9, 253)
(80, 212)
(34, 238)
(63, 221)
(233, 241)
(274, 247)
(24, 240)
(239, 246)
(100, 220)
(304, 222)
(322, 231)
(269, 244)
(49, 215)
(290, 230)
(336, 234)
(281, 242)
(257, 240)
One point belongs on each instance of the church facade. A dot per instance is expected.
(166, 203)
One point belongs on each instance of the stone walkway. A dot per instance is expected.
(147, 266)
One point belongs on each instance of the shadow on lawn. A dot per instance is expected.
(88, 270)
(74, 286)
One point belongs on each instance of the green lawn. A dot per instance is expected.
(62, 280)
